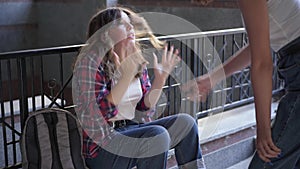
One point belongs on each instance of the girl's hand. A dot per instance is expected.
(130, 66)
(169, 60)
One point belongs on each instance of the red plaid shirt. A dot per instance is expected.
(91, 86)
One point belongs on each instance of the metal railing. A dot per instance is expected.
(34, 79)
(202, 52)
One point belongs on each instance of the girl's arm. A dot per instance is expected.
(161, 73)
(128, 68)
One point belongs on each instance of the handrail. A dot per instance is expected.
(201, 34)
(74, 48)
(41, 51)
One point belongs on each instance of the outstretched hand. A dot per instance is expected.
(169, 60)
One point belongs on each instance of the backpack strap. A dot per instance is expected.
(62, 132)
(45, 142)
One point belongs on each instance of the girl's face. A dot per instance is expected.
(122, 30)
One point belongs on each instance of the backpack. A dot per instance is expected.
(52, 139)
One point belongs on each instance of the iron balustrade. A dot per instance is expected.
(39, 78)
(203, 51)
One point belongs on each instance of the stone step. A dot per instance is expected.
(224, 158)
(230, 155)
(241, 165)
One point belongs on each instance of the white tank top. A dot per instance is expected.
(284, 18)
(129, 101)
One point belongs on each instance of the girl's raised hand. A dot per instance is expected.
(169, 60)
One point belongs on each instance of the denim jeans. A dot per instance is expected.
(286, 128)
(149, 149)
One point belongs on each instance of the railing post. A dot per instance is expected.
(23, 90)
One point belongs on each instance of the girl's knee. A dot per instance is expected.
(187, 119)
(160, 139)
(158, 131)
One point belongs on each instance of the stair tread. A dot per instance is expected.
(241, 165)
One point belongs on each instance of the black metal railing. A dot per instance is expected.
(202, 52)
(34, 79)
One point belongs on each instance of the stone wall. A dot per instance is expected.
(27, 24)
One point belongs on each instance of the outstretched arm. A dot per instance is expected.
(205, 83)
(238, 61)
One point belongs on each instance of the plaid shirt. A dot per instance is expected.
(93, 109)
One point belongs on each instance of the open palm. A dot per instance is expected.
(169, 60)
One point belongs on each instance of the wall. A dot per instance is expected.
(204, 18)
(18, 25)
(65, 23)
(26, 24)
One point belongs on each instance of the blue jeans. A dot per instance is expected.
(146, 145)
(286, 129)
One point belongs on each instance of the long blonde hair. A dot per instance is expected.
(141, 27)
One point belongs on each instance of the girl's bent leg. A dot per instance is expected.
(188, 151)
(183, 132)
(144, 147)
(108, 160)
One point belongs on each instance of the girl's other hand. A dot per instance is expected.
(169, 60)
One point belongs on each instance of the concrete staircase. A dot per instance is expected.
(235, 156)
(230, 156)
(227, 139)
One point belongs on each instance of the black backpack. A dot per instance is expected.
(52, 139)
